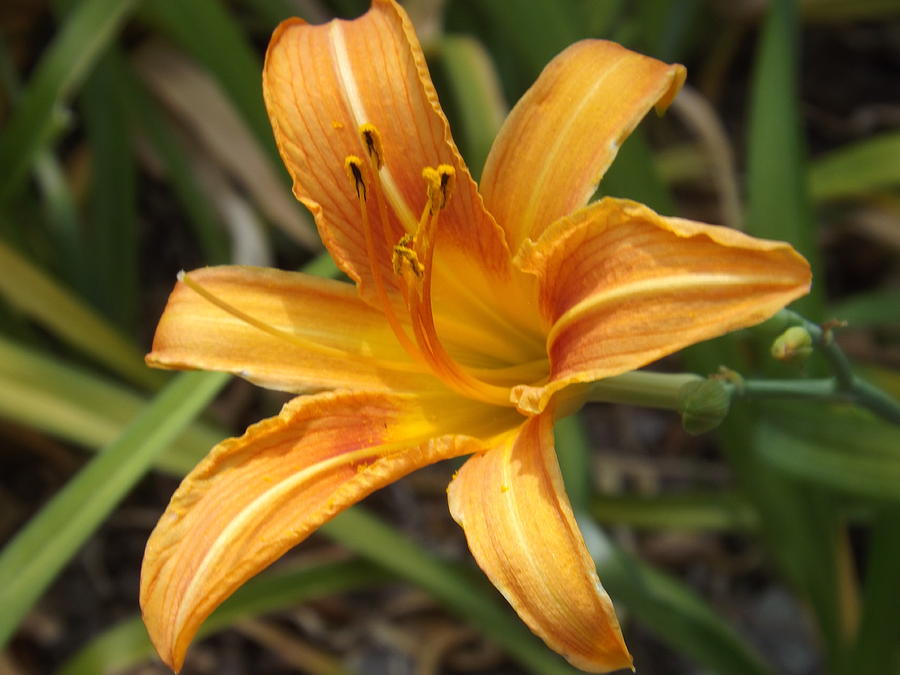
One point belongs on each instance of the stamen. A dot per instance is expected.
(372, 140)
(404, 259)
(354, 165)
(417, 266)
(307, 345)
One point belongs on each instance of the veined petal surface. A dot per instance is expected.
(621, 286)
(511, 502)
(321, 82)
(256, 496)
(563, 134)
(359, 351)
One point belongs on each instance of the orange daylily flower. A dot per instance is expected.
(477, 318)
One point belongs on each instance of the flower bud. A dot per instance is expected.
(794, 344)
(703, 405)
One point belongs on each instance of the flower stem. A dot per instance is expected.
(644, 388)
(845, 386)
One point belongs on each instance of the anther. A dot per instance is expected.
(372, 140)
(404, 259)
(353, 167)
(439, 183)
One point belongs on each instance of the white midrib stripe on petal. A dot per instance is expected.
(351, 91)
(657, 285)
(261, 503)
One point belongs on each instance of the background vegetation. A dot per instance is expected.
(134, 143)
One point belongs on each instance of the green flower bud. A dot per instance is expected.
(794, 344)
(703, 405)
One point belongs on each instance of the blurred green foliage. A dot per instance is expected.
(106, 191)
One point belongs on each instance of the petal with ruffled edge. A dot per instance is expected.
(511, 502)
(321, 82)
(256, 496)
(565, 131)
(341, 342)
(621, 286)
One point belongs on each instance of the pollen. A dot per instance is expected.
(405, 261)
(372, 140)
(353, 167)
(336, 124)
(439, 184)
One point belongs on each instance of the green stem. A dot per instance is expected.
(643, 388)
(845, 386)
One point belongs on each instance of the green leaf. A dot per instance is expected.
(877, 649)
(779, 206)
(844, 449)
(49, 394)
(88, 30)
(691, 511)
(858, 169)
(126, 644)
(866, 310)
(206, 30)
(633, 175)
(677, 615)
(368, 536)
(53, 306)
(523, 35)
(209, 232)
(111, 238)
(477, 94)
(38, 552)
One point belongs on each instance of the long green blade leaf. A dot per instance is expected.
(53, 306)
(674, 612)
(858, 169)
(112, 241)
(368, 536)
(678, 616)
(34, 557)
(46, 393)
(126, 644)
(238, 68)
(779, 205)
(877, 648)
(694, 511)
(844, 450)
(477, 96)
(89, 29)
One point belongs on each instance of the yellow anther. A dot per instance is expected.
(439, 184)
(353, 167)
(405, 261)
(372, 140)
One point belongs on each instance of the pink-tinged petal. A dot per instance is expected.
(256, 496)
(621, 286)
(357, 349)
(321, 83)
(511, 502)
(564, 133)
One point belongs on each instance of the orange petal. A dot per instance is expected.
(511, 502)
(621, 286)
(358, 349)
(321, 83)
(565, 131)
(256, 496)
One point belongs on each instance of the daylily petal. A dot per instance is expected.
(321, 83)
(565, 131)
(511, 502)
(256, 496)
(359, 351)
(621, 286)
